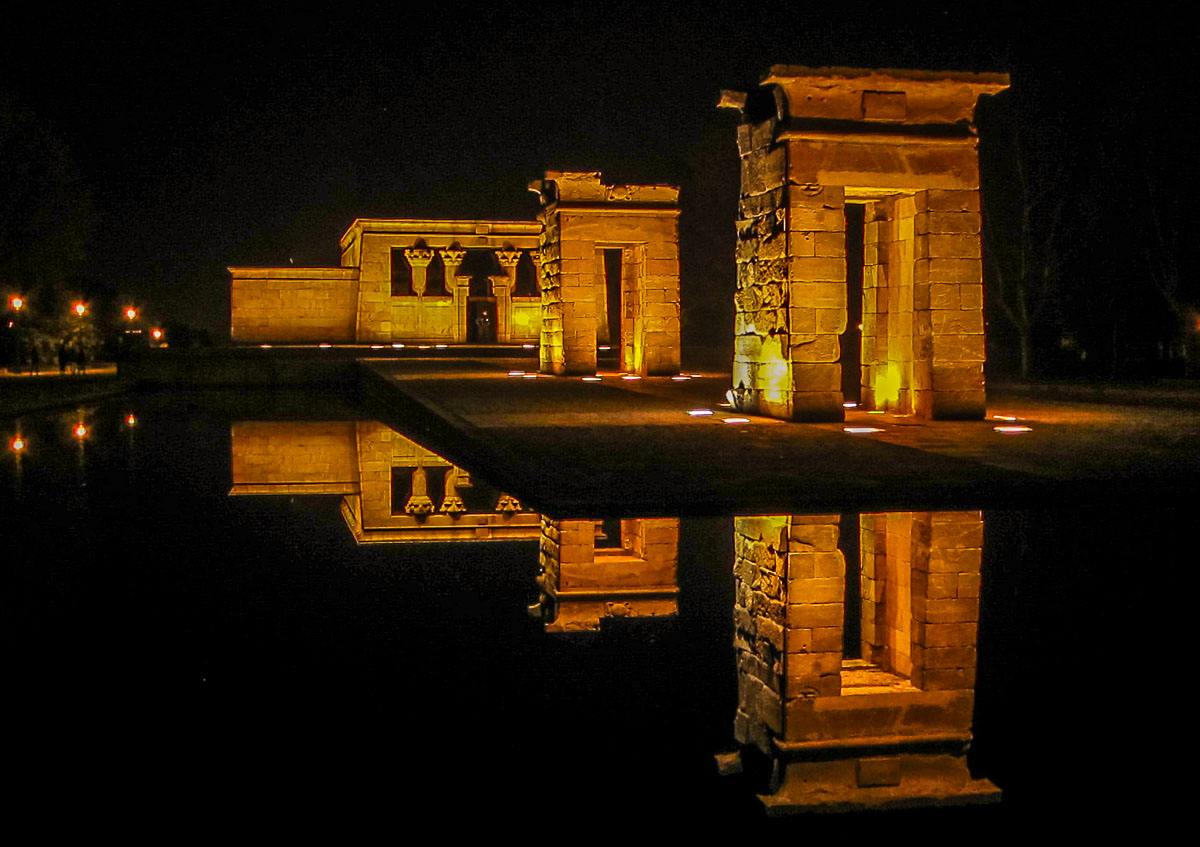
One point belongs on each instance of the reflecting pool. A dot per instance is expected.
(216, 599)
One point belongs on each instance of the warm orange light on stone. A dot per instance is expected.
(887, 722)
(902, 145)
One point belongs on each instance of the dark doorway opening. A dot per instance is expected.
(481, 320)
(852, 608)
(851, 339)
(608, 331)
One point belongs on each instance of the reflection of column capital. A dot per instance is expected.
(452, 256)
(418, 257)
(452, 504)
(508, 258)
(508, 504)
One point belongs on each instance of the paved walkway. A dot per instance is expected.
(576, 448)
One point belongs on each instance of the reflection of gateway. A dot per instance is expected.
(392, 489)
(591, 571)
(866, 708)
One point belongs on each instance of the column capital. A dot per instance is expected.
(418, 257)
(452, 255)
(508, 258)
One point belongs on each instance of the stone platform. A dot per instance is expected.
(573, 448)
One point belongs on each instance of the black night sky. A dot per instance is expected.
(253, 136)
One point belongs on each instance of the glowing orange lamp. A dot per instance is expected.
(80, 309)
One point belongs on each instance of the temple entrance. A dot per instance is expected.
(481, 320)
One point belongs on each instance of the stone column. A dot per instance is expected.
(418, 259)
(452, 503)
(816, 259)
(502, 288)
(948, 305)
(419, 502)
(536, 258)
(460, 288)
(946, 563)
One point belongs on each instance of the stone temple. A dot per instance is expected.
(599, 267)
(892, 153)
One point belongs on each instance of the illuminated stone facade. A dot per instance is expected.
(879, 719)
(582, 218)
(502, 282)
(900, 144)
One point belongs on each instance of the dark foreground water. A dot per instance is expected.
(170, 650)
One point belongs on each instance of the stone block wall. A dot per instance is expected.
(279, 305)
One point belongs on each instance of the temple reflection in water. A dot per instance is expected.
(394, 490)
(858, 692)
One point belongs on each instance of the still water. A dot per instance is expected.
(182, 627)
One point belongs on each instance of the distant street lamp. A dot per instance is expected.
(131, 313)
(16, 302)
(156, 334)
(80, 309)
(17, 444)
(81, 430)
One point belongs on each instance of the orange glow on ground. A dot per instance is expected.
(591, 379)
(1012, 430)
(736, 420)
(861, 430)
(699, 413)
(397, 345)
(631, 376)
